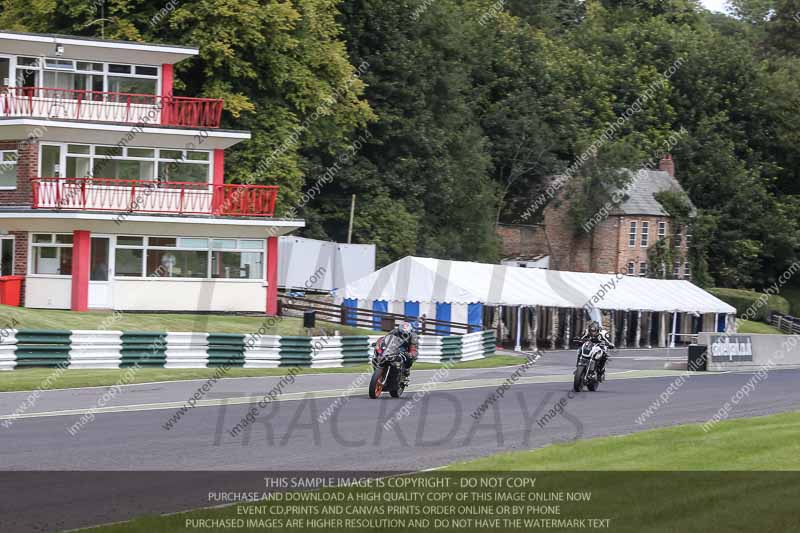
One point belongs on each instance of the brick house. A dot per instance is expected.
(113, 191)
(618, 242)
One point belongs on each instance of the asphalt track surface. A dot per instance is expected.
(125, 463)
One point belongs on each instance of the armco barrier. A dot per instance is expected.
(87, 349)
(750, 351)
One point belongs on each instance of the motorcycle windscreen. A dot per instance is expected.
(392, 345)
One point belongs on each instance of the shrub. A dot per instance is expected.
(743, 300)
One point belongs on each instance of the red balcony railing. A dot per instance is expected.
(142, 196)
(110, 107)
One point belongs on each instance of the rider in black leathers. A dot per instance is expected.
(410, 344)
(597, 335)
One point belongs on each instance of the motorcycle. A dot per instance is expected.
(388, 367)
(589, 356)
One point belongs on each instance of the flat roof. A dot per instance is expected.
(78, 47)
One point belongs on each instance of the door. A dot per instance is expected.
(100, 272)
(5, 72)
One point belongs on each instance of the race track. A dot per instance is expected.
(439, 428)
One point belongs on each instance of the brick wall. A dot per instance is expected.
(27, 168)
(522, 240)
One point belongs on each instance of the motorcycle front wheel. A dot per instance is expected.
(577, 382)
(376, 383)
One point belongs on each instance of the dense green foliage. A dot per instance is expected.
(760, 303)
(468, 107)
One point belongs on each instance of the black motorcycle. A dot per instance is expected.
(388, 363)
(590, 355)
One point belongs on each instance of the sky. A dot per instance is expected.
(714, 5)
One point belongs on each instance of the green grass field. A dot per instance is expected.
(33, 378)
(47, 319)
(749, 326)
(673, 480)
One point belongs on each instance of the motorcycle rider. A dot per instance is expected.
(598, 335)
(410, 340)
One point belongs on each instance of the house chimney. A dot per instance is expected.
(667, 165)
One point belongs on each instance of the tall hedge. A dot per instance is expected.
(744, 300)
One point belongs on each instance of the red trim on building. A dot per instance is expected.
(81, 259)
(272, 276)
(167, 79)
(219, 166)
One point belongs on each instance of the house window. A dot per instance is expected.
(687, 270)
(237, 260)
(662, 230)
(645, 234)
(643, 268)
(688, 235)
(676, 269)
(632, 235)
(189, 257)
(125, 163)
(677, 234)
(631, 268)
(51, 254)
(75, 77)
(6, 256)
(8, 169)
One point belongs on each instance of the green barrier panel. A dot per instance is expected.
(145, 348)
(355, 350)
(225, 349)
(451, 349)
(489, 342)
(45, 348)
(295, 351)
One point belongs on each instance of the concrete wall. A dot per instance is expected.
(750, 351)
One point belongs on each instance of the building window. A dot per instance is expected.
(643, 268)
(645, 234)
(75, 78)
(677, 234)
(6, 256)
(688, 235)
(8, 169)
(687, 270)
(125, 163)
(51, 254)
(632, 235)
(243, 259)
(631, 268)
(189, 257)
(662, 231)
(676, 269)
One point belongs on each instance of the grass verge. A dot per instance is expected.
(749, 326)
(48, 319)
(33, 378)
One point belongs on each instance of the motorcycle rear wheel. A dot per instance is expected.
(577, 382)
(376, 382)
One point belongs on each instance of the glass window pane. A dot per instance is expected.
(177, 263)
(67, 64)
(141, 152)
(42, 237)
(94, 67)
(146, 71)
(128, 262)
(131, 85)
(130, 241)
(170, 154)
(8, 174)
(197, 156)
(10, 155)
(7, 257)
(237, 265)
(183, 172)
(98, 267)
(223, 243)
(113, 151)
(170, 242)
(64, 239)
(192, 243)
(251, 244)
(123, 169)
(29, 61)
(51, 161)
(51, 260)
(78, 167)
(119, 69)
(78, 149)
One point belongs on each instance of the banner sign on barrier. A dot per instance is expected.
(731, 348)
